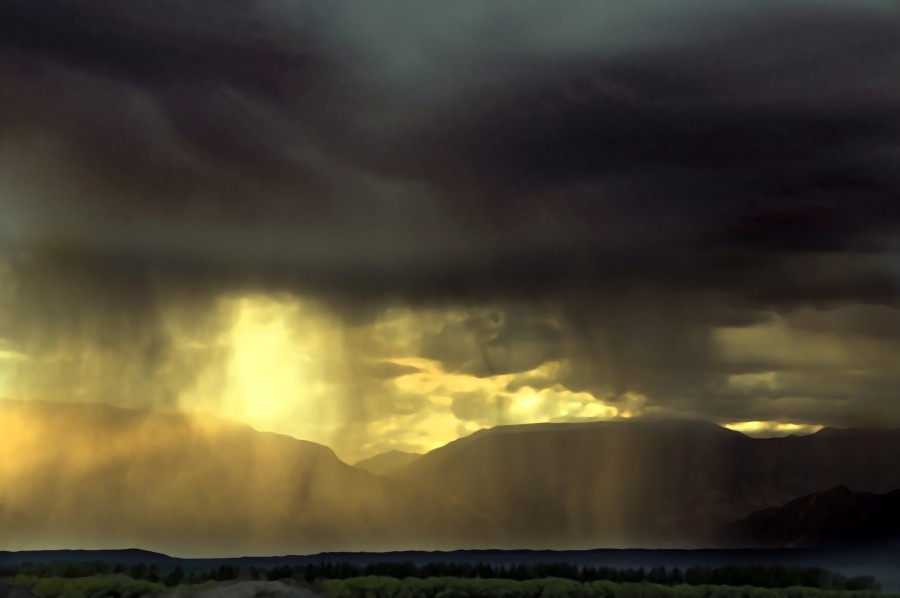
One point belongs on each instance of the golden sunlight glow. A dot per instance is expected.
(289, 365)
(277, 375)
(288, 370)
(270, 370)
(461, 404)
(766, 429)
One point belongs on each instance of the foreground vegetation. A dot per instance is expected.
(446, 587)
(122, 586)
(95, 586)
(398, 580)
(758, 576)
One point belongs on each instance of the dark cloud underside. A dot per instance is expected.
(620, 181)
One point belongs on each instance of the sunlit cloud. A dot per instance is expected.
(770, 429)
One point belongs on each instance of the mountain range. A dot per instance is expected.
(93, 476)
(665, 483)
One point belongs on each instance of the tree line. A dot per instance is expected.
(762, 576)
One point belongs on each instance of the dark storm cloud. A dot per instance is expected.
(641, 173)
(750, 136)
(495, 342)
(171, 109)
(746, 130)
(165, 45)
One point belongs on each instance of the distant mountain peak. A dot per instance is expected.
(388, 462)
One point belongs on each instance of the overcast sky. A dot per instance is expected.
(433, 218)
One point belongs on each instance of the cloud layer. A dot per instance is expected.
(696, 205)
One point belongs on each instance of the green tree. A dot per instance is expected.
(139, 571)
(175, 577)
